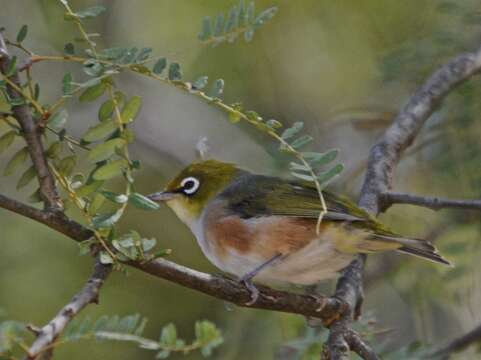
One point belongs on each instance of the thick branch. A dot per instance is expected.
(385, 155)
(324, 308)
(382, 161)
(433, 203)
(89, 294)
(31, 134)
(53, 219)
(458, 344)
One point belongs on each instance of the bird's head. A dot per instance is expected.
(190, 191)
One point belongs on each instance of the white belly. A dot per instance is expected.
(315, 262)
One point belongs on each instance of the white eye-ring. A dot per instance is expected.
(190, 185)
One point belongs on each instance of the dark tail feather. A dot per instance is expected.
(426, 253)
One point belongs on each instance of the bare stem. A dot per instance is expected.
(89, 294)
(434, 203)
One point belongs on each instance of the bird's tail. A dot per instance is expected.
(420, 248)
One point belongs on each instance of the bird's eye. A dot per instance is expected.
(190, 185)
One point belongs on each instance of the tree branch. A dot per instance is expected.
(31, 133)
(89, 294)
(385, 155)
(458, 344)
(434, 203)
(383, 158)
(324, 308)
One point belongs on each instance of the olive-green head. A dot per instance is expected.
(191, 190)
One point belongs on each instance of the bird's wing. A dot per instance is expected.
(257, 195)
(253, 196)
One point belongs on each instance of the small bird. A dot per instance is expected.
(251, 225)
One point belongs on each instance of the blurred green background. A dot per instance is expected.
(344, 68)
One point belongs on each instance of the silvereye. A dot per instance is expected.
(254, 225)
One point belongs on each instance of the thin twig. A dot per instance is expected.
(434, 203)
(23, 114)
(458, 344)
(89, 294)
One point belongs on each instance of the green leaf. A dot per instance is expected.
(7, 139)
(325, 177)
(110, 170)
(130, 56)
(107, 108)
(67, 84)
(114, 197)
(95, 204)
(200, 83)
(107, 220)
(217, 89)
(274, 124)
(232, 20)
(88, 188)
(159, 66)
(54, 150)
(219, 25)
(320, 159)
(69, 49)
(148, 244)
(36, 91)
(163, 354)
(206, 30)
(26, 177)
(105, 150)
(208, 335)
(293, 130)
(113, 53)
(302, 176)
(265, 16)
(67, 165)
(12, 67)
(249, 14)
(91, 12)
(142, 202)
(93, 92)
(302, 141)
(18, 159)
(105, 258)
(131, 109)
(248, 35)
(168, 336)
(58, 120)
(22, 34)
(100, 131)
(174, 71)
(129, 136)
(293, 166)
(234, 116)
(144, 54)
(92, 67)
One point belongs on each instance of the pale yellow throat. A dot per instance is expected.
(187, 212)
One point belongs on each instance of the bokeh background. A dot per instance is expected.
(344, 68)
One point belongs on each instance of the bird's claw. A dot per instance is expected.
(254, 292)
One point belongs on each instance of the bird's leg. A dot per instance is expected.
(246, 280)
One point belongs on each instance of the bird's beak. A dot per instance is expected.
(162, 196)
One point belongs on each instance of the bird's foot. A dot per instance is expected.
(254, 292)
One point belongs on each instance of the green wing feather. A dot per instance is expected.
(257, 195)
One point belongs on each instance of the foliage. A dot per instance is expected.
(129, 328)
(240, 19)
(106, 148)
(107, 142)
